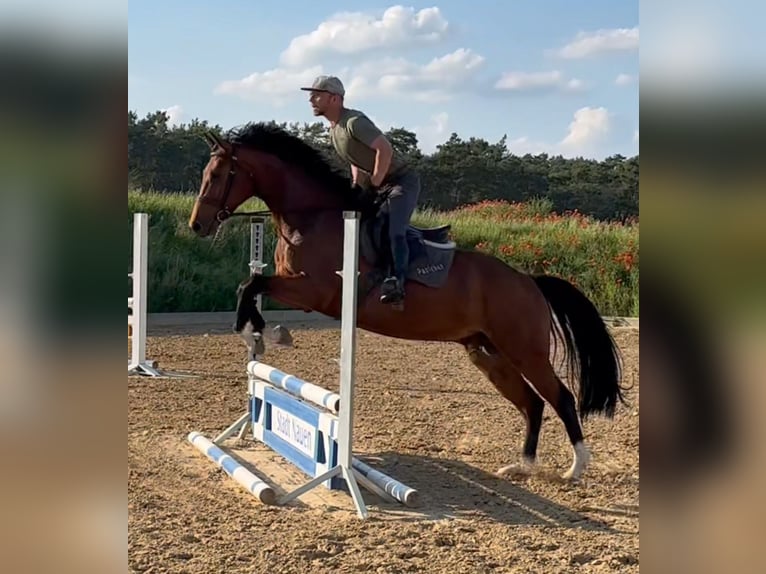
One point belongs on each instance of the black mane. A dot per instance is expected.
(270, 138)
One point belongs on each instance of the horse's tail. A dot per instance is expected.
(589, 345)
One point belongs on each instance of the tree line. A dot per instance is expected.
(165, 158)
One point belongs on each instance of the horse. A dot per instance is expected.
(505, 319)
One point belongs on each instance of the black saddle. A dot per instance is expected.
(438, 234)
(431, 251)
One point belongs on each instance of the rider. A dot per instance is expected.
(374, 166)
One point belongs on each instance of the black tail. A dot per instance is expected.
(590, 347)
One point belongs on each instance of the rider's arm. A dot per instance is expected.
(382, 159)
(365, 131)
(354, 174)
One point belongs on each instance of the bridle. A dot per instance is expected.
(224, 212)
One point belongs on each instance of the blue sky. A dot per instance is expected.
(556, 76)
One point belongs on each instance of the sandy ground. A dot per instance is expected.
(424, 415)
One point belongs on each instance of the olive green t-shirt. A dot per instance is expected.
(352, 136)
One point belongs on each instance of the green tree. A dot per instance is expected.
(168, 158)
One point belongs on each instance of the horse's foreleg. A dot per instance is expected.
(249, 322)
(294, 290)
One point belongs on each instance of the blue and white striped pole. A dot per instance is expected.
(244, 477)
(401, 492)
(298, 387)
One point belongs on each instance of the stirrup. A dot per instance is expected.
(392, 291)
(393, 297)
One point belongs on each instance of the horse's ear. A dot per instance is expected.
(222, 143)
(214, 141)
(210, 139)
(218, 141)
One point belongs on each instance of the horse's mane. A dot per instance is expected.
(268, 137)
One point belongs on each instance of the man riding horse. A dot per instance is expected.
(375, 167)
(507, 320)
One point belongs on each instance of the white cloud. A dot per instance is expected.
(433, 133)
(589, 128)
(438, 80)
(635, 136)
(275, 85)
(349, 33)
(525, 81)
(587, 44)
(537, 81)
(624, 79)
(175, 114)
(591, 134)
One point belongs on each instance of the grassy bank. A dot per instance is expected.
(189, 274)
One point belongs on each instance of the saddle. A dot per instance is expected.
(431, 251)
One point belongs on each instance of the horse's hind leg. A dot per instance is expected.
(509, 382)
(542, 375)
(536, 367)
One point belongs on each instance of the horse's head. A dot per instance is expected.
(265, 161)
(226, 184)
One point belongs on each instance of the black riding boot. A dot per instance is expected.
(392, 290)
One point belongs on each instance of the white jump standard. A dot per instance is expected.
(256, 263)
(306, 424)
(306, 431)
(138, 364)
(279, 335)
(138, 304)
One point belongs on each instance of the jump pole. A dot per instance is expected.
(251, 483)
(138, 364)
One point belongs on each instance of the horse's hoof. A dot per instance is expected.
(256, 346)
(281, 336)
(259, 348)
(569, 476)
(579, 463)
(573, 474)
(524, 468)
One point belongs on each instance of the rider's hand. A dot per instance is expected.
(383, 189)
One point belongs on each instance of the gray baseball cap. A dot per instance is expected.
(329, 84)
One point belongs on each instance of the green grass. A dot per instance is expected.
(599, 258)
(190, 274)
(185, 272)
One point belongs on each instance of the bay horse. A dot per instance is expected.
(505, 319)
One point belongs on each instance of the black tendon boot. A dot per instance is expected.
(392, 290)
